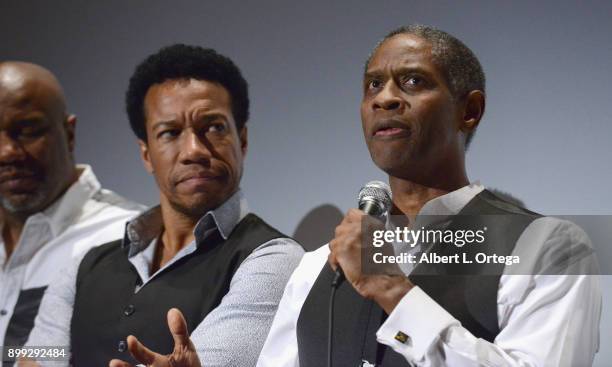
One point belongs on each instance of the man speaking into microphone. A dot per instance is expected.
(423, 98)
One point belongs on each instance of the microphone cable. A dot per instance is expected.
(338, 277)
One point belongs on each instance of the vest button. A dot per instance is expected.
(129, 310)
(122, 346)
(3, 312)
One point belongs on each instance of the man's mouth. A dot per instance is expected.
(10, 172)
(197, 178)
(18, 182)
(391, 129)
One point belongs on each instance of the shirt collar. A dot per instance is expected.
(453, 202)
(141, 231)
(42, 227)
(64, 211)
(440, 209)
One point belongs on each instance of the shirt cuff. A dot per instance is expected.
(414, 325)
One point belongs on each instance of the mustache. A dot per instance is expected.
(14, 170)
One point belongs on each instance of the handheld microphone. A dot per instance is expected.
(375, 200)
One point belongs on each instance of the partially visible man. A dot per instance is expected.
(51, 210)
(423, 97)
(200, 250)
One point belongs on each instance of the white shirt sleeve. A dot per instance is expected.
(281, 347)
(233, 333)
(545, 320)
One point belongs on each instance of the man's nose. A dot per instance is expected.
(11, 150)
(389, 98)
(195, 149)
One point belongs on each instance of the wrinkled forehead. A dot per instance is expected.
(173, 98)
(400, 49)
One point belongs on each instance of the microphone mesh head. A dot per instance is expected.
(377, 191)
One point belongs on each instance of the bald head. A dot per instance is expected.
(36, 139)
(25, 82)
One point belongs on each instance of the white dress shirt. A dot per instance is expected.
(544, 320)
(84, 216)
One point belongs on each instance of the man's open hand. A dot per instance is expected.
(184, 354)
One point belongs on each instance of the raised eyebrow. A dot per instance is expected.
(401, 70)
(212, 117)
(207, 121)
(161, 124)
(415, 70)
(372, 75)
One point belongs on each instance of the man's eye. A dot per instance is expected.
(31, 132)
(217, 128)
(374, 84)
(29, 129)
(413, 81)
(168, 134)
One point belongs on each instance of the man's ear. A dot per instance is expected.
(144, 155)
(70, 127)
(473, 110)
(244, 140)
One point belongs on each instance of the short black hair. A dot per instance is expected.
(180, 61)
(457, 62)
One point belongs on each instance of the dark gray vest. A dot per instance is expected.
(470, 298)
(22, 321)
(106, 309)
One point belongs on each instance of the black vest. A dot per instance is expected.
(22, 321)
(106, 309)
(24, 313)
(472, 299)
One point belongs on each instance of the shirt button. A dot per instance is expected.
(3, 312)
(129, 310)
(122, 346)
